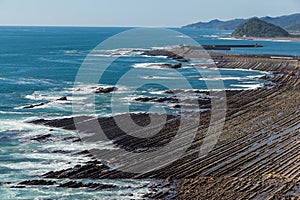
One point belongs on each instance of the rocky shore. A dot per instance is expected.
(256, 157)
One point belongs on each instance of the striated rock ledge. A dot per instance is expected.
(257, 155)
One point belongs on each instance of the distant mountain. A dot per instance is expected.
(258, 28)
(294, 28)
(282, 21)
(217, 24)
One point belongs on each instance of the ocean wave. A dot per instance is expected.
(147, 56)
(117, 52)
(219, 78)
(30, 81)
(247, 86)
(282, 40)
(229, 38)
(230, 78)
(160, 77)
(48, 95)
(20, 125)
(14, 113)
(60, 61)
(71, 51)
(183, 36)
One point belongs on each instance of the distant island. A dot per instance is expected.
(287, 22)
(259, 28)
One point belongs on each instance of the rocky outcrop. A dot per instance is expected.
(44, 103)
(114, 133)
(93, 186)
(37, 182)
(168, 54)
(105, 90)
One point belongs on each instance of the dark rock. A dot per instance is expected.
(61, 151)
(42, 138)
(94, 186)
(83, 153)
(144, 99)
(171, 66)
(157, 99)
(35, 105)
(62, 99)
(115, 134)
(177, 106)
(166, 99)
(168, 54)
(102, 90)
(90, 170)
(18, 186)
(37, 182)
(71, 139)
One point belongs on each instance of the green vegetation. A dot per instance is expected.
(285, 22)
(258, 28)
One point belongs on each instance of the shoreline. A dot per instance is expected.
(274, 39)
(258, 123)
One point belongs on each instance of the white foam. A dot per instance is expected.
(157, 92)
(247, 86)
(147, 56)
(149, 65)
(220, 78)
(20, 125)
(116, 52)
(183, 36)
(160, 77)
(70, 51)
(255, 76)
(14, 113)
(29, 81)
(229, 38)
(37, 96)
(283, 40)
(230, 78)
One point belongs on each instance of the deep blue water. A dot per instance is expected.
(40, 64)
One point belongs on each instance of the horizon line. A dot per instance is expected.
(83, 26)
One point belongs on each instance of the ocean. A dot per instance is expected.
(40, 64)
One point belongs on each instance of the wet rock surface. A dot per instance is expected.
(115, 134)
(69, 184)
(93, 186)
(256, 156)
(168, 54)
(37, 182)
(105, 90)
(201, 103)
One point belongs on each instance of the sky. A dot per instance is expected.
(136, 13)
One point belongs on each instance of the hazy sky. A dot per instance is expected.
(152, 13)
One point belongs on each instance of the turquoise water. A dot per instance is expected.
(40, 64)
